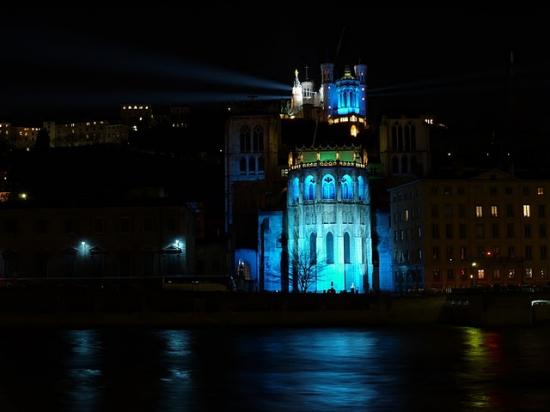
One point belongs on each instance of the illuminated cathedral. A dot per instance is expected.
(337, 101)
(320, 238)
(328, 207)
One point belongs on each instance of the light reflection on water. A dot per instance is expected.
(324, 369)
(451, 369)
(84, 369)
(176, 388)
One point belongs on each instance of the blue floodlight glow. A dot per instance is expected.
(84, 248)
(121, 58)
(96, 98)
(329, 239)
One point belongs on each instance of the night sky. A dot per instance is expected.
(83, 62)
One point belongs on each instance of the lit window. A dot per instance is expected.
(511, 273)
(526, 210)
(347, 185)
(481, 273)
(329, 188)
(347, 254)
(330, 248)
(540, 191)
(528, 273)
(406, 214)
(494, 211)
(479, 211)
(309, 188)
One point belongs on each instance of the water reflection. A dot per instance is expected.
(324, 370)
(84, 369)
(176, 387)
(454, 369)
(501, 370)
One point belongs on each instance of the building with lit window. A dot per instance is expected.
(19, 137)
(136, 116)
(486, 230)
(86, 133)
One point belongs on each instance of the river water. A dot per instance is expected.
(426, 369)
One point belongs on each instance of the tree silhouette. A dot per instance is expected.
(306, 268)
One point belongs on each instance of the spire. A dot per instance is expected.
(296, 80)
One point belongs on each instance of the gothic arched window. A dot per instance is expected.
(414, 166)
(395, 165)
(361, 188)
(242, 165)
(258, 139)
(394, 138)
(313, 248)
(329, 187)
(347, 252)
(260, 164)
(245, 139)
(404, 164)
(295, 191)
(309, 188)
(347, 188)
(400, 138)
(407, 138)
(330, 248)
(251, 165)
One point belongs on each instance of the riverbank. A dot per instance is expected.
(175, 309)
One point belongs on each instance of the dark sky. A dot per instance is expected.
(84, 62)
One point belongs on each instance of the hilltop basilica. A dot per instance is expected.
(299, 189)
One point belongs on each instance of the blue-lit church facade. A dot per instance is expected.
(328, 206)
(341, 101)
(325, 233)
(346, 96)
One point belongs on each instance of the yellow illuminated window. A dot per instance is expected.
(479, 211)
(494, 211)
(526, 210)
(540, 191)
(481, 273)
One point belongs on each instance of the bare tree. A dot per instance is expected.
(306, 269)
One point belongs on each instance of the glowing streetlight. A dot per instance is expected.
(474, 264)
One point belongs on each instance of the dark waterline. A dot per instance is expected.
(451, 369)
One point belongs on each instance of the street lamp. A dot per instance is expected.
(472, 276)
